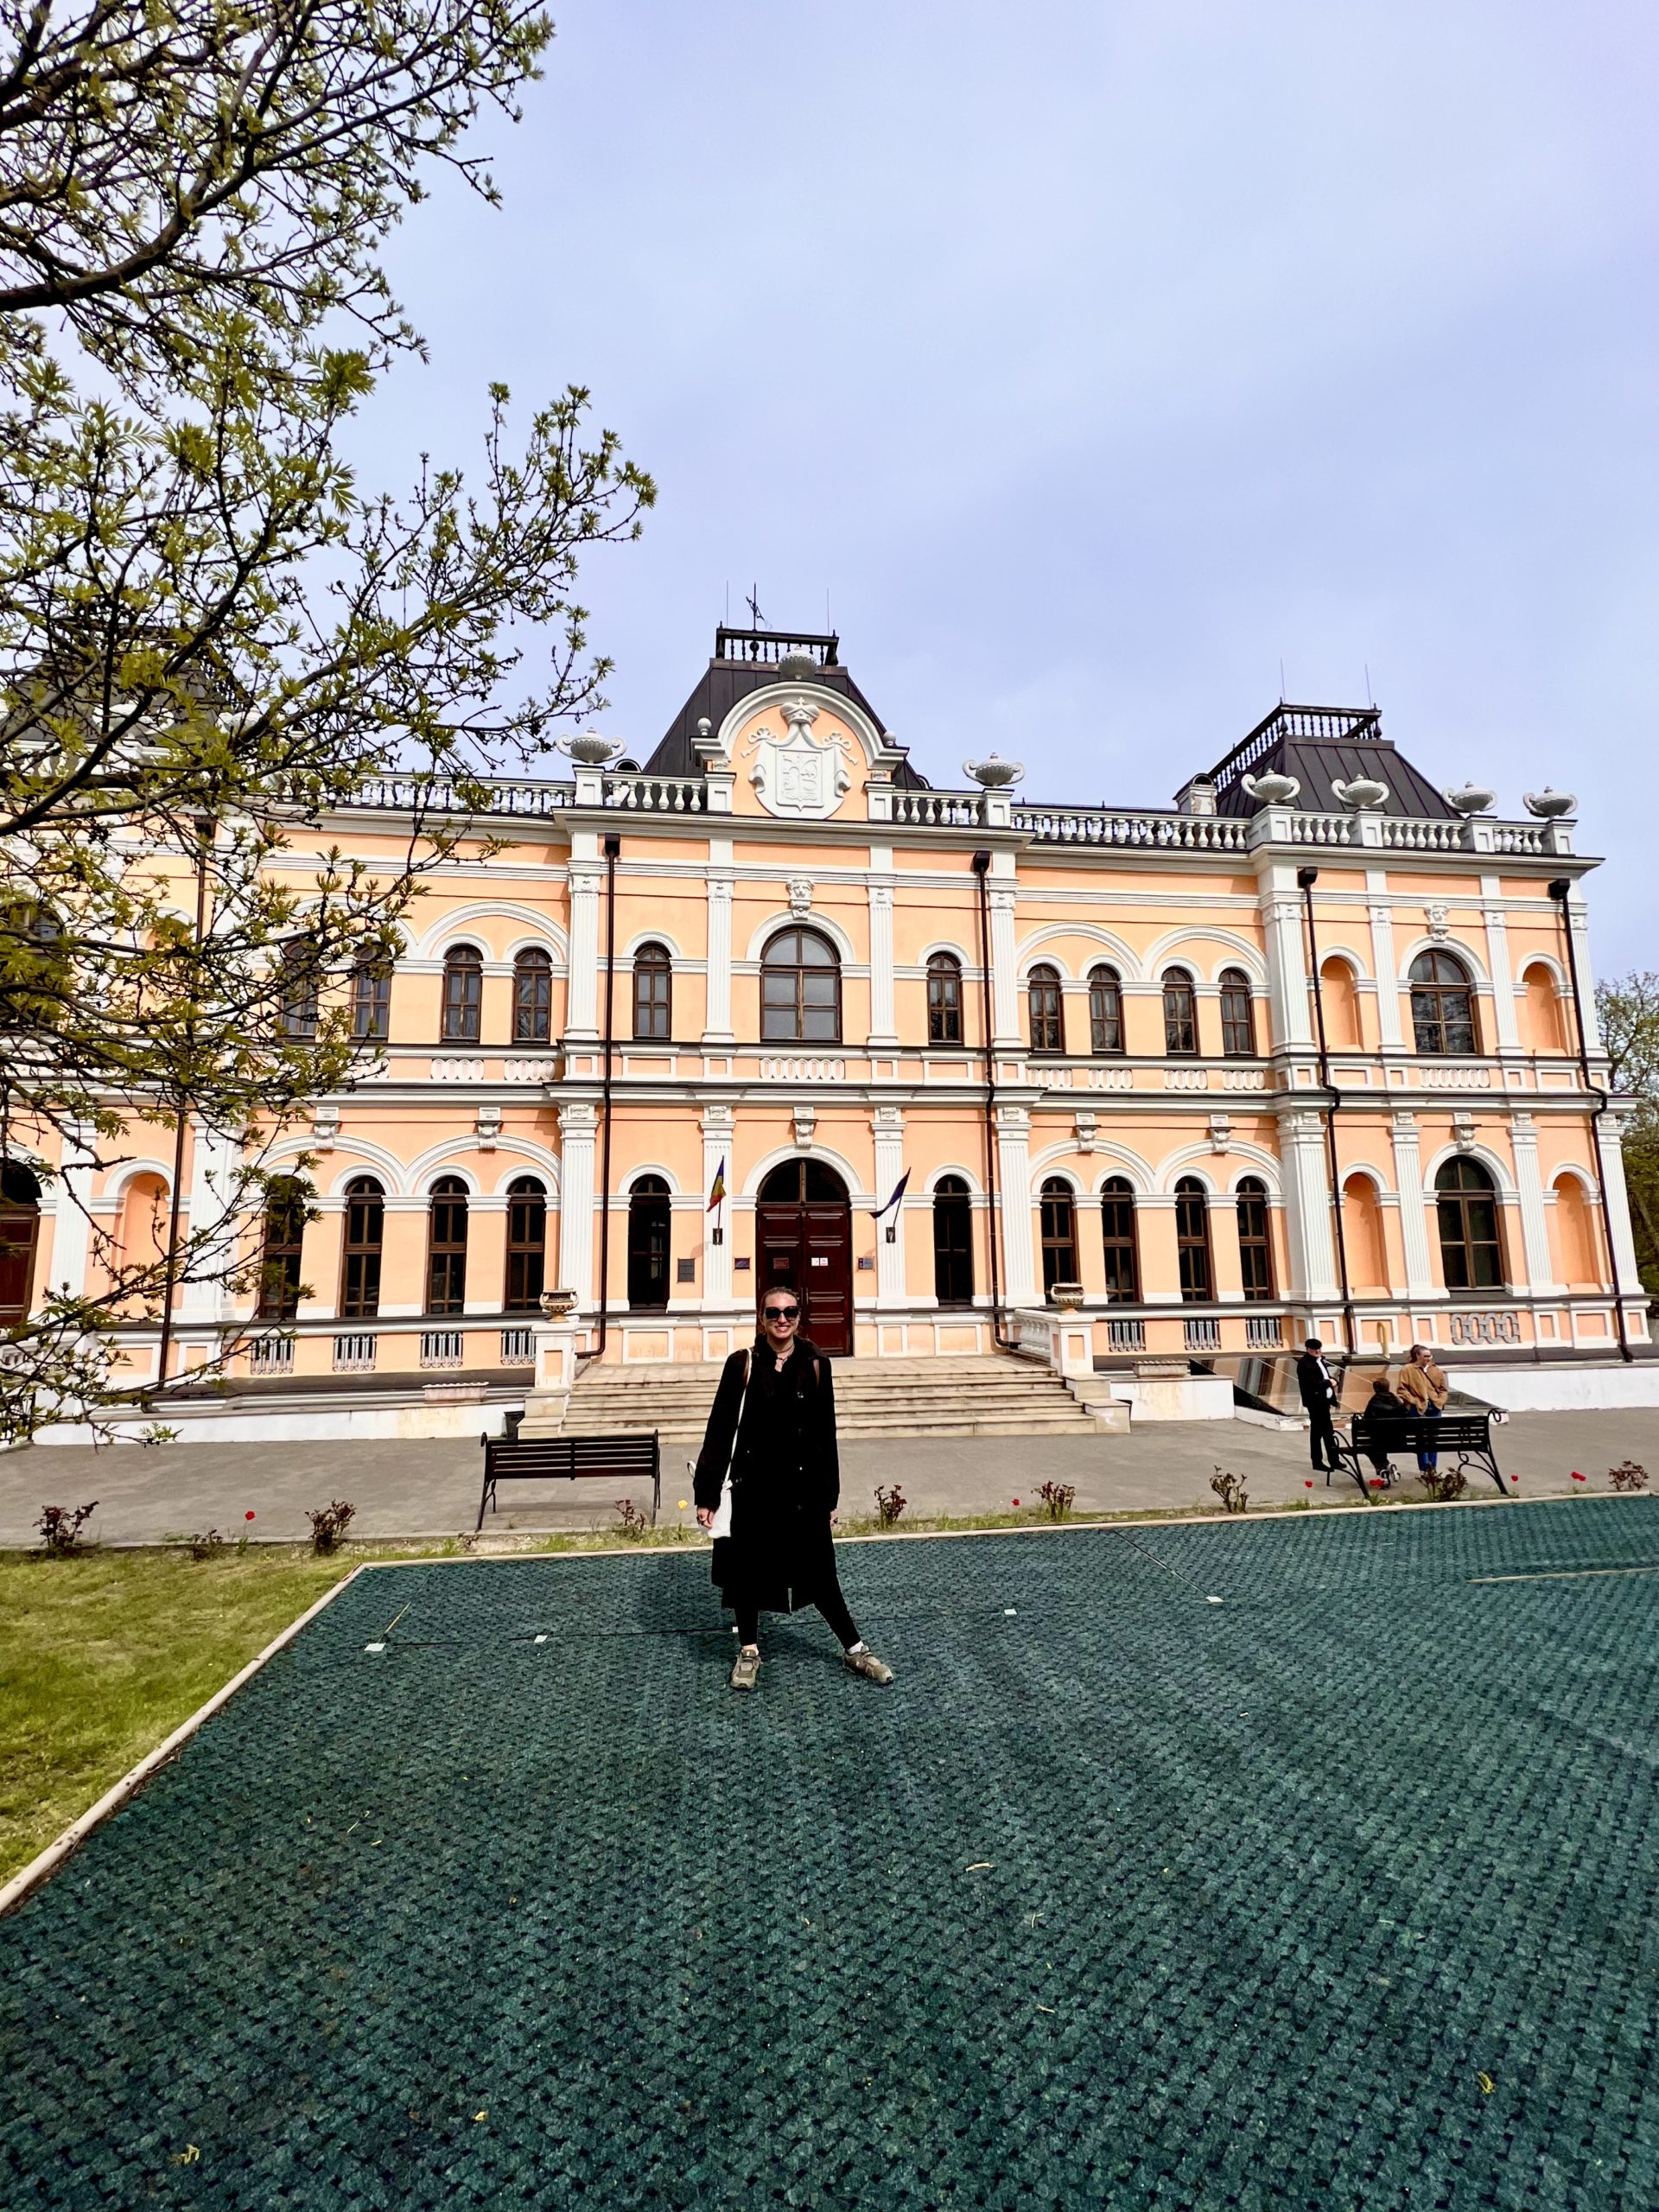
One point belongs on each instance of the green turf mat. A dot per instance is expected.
(1117, 1898)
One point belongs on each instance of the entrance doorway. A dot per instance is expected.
(804, 1234)
(648, 1216)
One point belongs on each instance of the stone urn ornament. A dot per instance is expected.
(1361, 794)
(796, 667)
(1550, 806)
(592, 750)
(1068, 1296)
(995, 772)
(1272, 789)
(556, 1303)
(1473, 799)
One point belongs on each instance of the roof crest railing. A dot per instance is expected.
(1318, 723)
(764, 648)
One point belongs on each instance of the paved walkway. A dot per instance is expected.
(145, 1493)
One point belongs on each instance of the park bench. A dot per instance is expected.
(1467, 1435)
(570, 1458)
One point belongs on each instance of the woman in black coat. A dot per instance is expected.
(773, 1426)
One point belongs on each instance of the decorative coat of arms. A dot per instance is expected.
(796, 775)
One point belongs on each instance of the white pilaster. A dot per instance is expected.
(578, 1123)
(582, 1015)
(1503, 974)
(888, 1124)
(72, 1225)
(718, 1018)
(212, 1182)
(1577, 921)
(1618, 1211)
(1283, 933)
(1307, 1205)
(1005, 996)
(883, 1035)
(718, 1124)
(1383, 964)
(1535, 1230)
(1414, 1226)
(1014, 1175)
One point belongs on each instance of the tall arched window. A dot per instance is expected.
(371, 1004)
(526, 1244)
(953, 1242)
(1117, 1238)
(446, 1247)
(532, 996)
(20, 1230)
(1442, 1004)
(299, 1014)
(463, 994)
(944, 999)
(1048, 1014)
(1544, 1024)
(1472, 1256)
(1059, 1219)
(1105, 1011)
(800, 990)
(360, 1272)
(1341, 1002)
(1181, 1013)
(286, 1212)
(653, 993)
(1237, 1015)
(649, 1230)
(1192, 1241)
(1254, 1246)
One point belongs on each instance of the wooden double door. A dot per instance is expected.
(804, 1235)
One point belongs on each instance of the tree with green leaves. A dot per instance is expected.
(210, 635)
(1628, 1010)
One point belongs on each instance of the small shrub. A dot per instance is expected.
(329, 1524)
(1230, 1489)
(1628, 1476)
(158, 1433)
(1057, 1498)
(205, 1545)
(1443, 1483)
(60, 1529)
(635, 1521)
(889, 1505)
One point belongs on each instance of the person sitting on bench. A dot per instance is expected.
(1381, 1405)
(1423, 1391)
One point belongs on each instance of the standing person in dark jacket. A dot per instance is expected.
(1318, 1386)
(773, 1428)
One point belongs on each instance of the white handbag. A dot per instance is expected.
(722, 1524)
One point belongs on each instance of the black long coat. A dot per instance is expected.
(786, 1477)
(1318, 1395)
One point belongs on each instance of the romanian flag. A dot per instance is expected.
(717, 1196)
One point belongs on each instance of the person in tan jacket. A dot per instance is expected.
(1422, 1389)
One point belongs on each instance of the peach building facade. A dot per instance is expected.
(1123, 1087)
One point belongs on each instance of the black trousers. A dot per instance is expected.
(1322, 1439)
(829, 1603)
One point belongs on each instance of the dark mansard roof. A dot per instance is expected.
(1320, 746)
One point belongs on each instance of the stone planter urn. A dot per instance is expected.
(592, 750)
(1272, 789)
(1068, 1296)
(993, 773)
(1549, 805)
(556, 1303)
(1473, 799)
(1362, 795)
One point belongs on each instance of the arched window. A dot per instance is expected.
(1254, 1246)
(1060, 1215)
(1181, 1013)
(953, 1242)
(286, 1213)
(1237, 1015)
(653, 991)
(1047, 1015)
(944, 999)
(463, 994)
(446, 1247)
(1341, 1002)
(360, 1279)
(1117, 1237)
(1442, 1004)
(20, 1230)
(1544, 1025)
(532, 996)
(299, 1014)
(1471, 1258)
(1192, 1241)
(649, 1220)
(371, 1004)
(1105, 1011)
(526, 1244)
(800, 990)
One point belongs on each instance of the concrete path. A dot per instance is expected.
(145, 1493)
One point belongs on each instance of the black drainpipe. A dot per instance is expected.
(981, 870)
(1306, 880)
(1559, 891)
(613, 848)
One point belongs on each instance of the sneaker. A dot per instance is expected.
(867, 1663)
(745, 1670)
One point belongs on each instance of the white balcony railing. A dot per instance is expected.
(443, 1347)
(354, 1352)
(1126, 1336)
(1263, 1331)
(517, 1347)
(272, 1355)
(1502, 1328)
(1202, 1333)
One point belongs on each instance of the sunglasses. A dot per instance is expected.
(782, 1313)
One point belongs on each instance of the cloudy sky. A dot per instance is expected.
(1096, 359)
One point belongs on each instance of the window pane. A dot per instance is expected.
(818, 1024)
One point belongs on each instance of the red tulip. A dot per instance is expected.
(1016, 1501)
(247, 1516)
